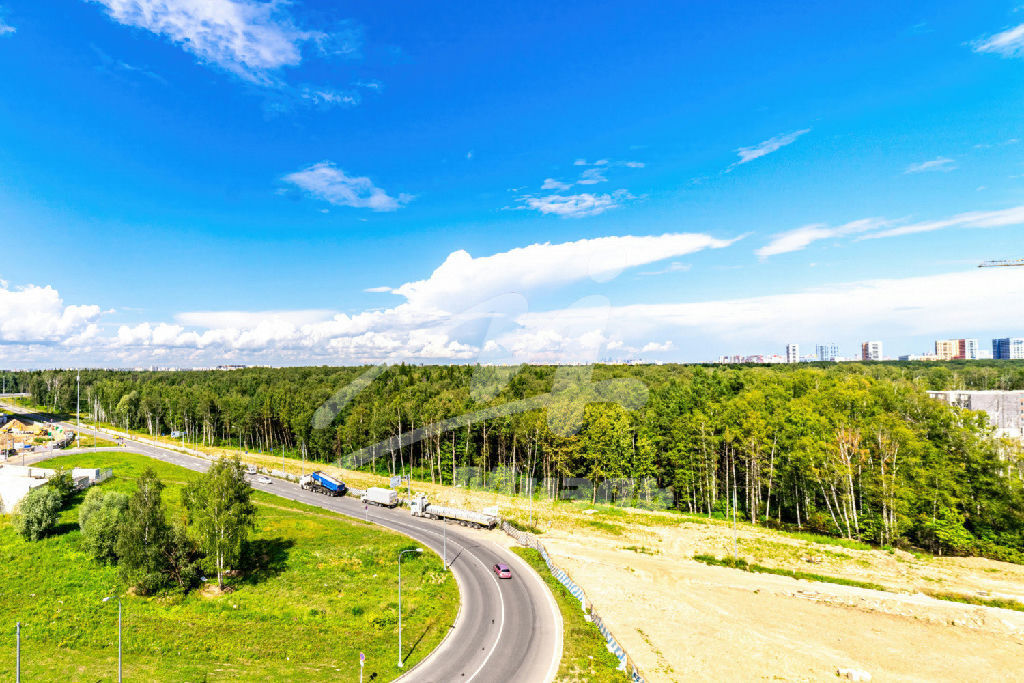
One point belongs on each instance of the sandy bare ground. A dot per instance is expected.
(682, 620)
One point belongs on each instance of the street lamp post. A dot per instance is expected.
(402, 552)
(17, 663)
(78, 407)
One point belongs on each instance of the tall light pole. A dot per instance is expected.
(17, 661)
(78, 407)
(402, 552)
(444, 521)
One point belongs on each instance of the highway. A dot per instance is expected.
(506, 630)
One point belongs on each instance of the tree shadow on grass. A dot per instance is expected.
(70, 525)
(265, 558)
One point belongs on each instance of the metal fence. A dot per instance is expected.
(626, 663)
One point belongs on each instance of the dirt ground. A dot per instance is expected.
(683, 620)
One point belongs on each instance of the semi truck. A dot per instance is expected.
(323, 483)
(420, 507)
(380, 497)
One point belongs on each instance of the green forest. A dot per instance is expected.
(856, 450)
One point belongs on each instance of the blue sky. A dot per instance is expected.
(187, 183)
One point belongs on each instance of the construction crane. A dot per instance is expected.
(1003, 263)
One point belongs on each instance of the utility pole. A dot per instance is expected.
(400, 553)
(78, 407)
(444, 521)
(17, 664)
(118, 641)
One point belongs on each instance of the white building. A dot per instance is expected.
(1005, 409)
(871, 350)
(827, 352)
(792, 353)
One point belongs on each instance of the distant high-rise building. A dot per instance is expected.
(826, 352)
(871, 350)
(1008, 348)
(946, 349)
(792, 353)
(967, 349)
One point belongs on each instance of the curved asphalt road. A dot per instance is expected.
(507, 630)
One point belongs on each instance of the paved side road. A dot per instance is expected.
(507, 630)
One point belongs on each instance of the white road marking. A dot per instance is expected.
(500, 628)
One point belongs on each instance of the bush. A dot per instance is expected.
(37, 514)
(63, 484)
(100, 518)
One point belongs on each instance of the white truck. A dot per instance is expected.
(421, 508)
(380, 497)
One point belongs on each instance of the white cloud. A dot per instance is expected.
(34, 314)
(327, 97)
(251, 39)
(552, 184)
(576, 205)
(800, 238)
(378, 290)
(592, 176)
(655, 347)
(748, 154)
(584, 204)
(463, 279)
(328, 182)
(918, 306)
(971, 219)
(1008, 43)
(936, 164)
(871, 228)
(674, 267)
(6, 29)
(251, 318)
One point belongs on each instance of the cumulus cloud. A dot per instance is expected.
(329, 183)
(1008, 43)
(875, 228)
(773, 144)
(463, 279)
(457, 313)
(936, 164)
(34, 314)
(6, 29)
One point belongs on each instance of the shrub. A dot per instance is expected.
(100, 518)
(63, 484)
(37, 514)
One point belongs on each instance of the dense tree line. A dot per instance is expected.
(856, 450)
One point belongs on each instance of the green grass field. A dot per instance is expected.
(585, 657)
(325, 590)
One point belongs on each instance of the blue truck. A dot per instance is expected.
(323, 483)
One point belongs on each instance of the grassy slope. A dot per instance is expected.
(584, 654)
(326, 592)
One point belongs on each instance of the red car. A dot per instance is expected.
(503, 571)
